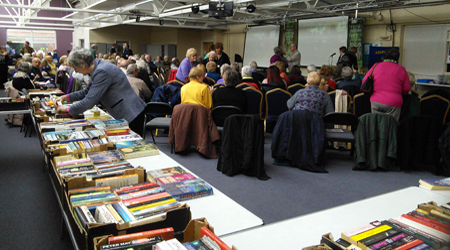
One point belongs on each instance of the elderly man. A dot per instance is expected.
(107, 88)
(311, 98)
(26, 49)
(347, 75)
(294, 58)
(166, 62)
(246, 73)
(175, 63)
(158, 62)
(124, 66)
(138, 85)
(151, 67)
(311, 68)
(36, 71)
(255, 74)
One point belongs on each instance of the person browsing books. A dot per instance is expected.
(109, 87)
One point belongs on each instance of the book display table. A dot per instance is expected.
(223, 213)
(307, 230)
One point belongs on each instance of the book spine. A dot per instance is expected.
(133, 188)
(388, 243)
(175, 244)
(141, 193)
(90, 218)
(371, 232)
(122, 211)
(422, 246)
(166, 233)
(378, 237)
(79, 213)
(429, 239)
(183, 197)
(139, 200)
(424, 228)
(102, 215)
(204, 231)
(159, 203)
(114, 213)
(409, 245)
(427, 222)
(155, 210)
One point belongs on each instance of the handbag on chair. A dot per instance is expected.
(367, 86)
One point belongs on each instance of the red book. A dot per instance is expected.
(409, 245)
(166, 233)
(427, 222)
(204, 231)
(135, 187)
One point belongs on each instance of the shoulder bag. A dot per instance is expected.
(367, 86)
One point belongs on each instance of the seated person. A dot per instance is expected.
(311, 98)
(412, 79)
(196, 92)
(247, 77)
(273, 80)
(21, 79)
(296, 76)
(143, 74)
(223, 68)
(347, 76)
(230, 95)
(324, 84)
(63, 63)
(282, 69)
(327, 71)
(138, 85)
(35, 73)
(235, 67)
(211, 71)
(362, 72)
(49, 67)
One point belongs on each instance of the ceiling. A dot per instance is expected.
(94, 14)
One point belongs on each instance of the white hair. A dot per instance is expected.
(224, 67)
(246, 71)
(312, 68)
(253, 65)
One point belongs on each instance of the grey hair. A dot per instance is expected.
(124, 64)
(141, 65)
(231, 78)
(212, 53)
(78, 56)
(27, 57)
(246, 71)
(296, 45)
(253, 65)
(347, 73)
(312, 68)
(224, 67)
(24, 67)
(235, 66)
(131, 69)
(276, 49)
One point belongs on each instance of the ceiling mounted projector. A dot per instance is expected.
(251, 8)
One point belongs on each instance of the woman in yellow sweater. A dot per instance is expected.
(49, 66)
(196, 92)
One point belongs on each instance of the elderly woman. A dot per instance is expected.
(186, 65)
(21, 79)
(347, 78)
(108, 86)
(278, 56)
(230, 95)
(311, 98)
(390, 82)
(49, 67)
(247, 77)
(211, 71)
(223, 68)
(196, 92)
(210, 57)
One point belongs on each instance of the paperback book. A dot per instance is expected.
(435, 184)
(143, 150)
(188, 189)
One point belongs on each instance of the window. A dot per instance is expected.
(40, 40)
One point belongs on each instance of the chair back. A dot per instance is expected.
(434, 105)
(244, 85)
(295, 87)
(220, 113)
(352, 90)
(210, 81)
(161, 71)
(219, 85)
(175, 81)
(361, 104)
(173, 74)
(276, 100)
(415, 93)
(254, 101)
(162, 79)
(337, 118)
(156, 80)
(158, 108)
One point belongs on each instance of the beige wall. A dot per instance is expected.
(234, 38)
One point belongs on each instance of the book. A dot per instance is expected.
(428, 222)
(114, 213)
(166, 233)
(435, 184)
(163, 245)
(204, 231)
(123, 211)
(166, 172)
(392, 242)
(175, 178)
(144, 243)
(425, 237)
(189, 246)
(175, 244)
(103, 215)
(115, 123)
(189, 189)
(426, 229)
(126, 144)
(358, 237)
(200, 245)
(139, 151)
(117, 181)
(363, 228)
(105, 157)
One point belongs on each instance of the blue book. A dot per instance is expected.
(189, 246)
(188, 189)
(121, 211)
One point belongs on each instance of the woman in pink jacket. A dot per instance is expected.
(390, 82)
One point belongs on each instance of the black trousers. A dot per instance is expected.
(137, 125)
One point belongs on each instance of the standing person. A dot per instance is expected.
(26, 49)
(390, 82)
(346, 58)
(93, 50)
(4, 59)
(222, 57)
(294, 58)
(9, 50)
(186, 65)
(112, 50)
(108, 86)
(127, 52)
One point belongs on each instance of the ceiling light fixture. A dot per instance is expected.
(195, 9)
(138, 19)
(251, 8)
(161, 22)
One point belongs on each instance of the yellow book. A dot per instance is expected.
(371, 232)
(114, 213)
(81, 145)
(159, 203)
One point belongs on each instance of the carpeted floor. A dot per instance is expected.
(31, 219)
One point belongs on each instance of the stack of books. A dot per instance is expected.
(181, 185)
(116, 127)
(75, 165)
(66, 136)
(110, 163)
(435, 184)
(427, 227)
(136, 148)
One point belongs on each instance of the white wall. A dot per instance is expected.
(80, 33)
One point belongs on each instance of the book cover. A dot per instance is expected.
(166, 172)
(200, 245)
(144, 243)
(105, 157)
(140, 193)
(139, 151)
(175, 244)
(115, 123)
(127, 144)
(166, 233)
(355, 238)
(189, 189)
(145, 199)
(435, 184)
(114, 213)
(392, 242)
(168, 200)
(175, 178)
(123, 211)
(189, 246)
(163, 245)
(155, 210)
(363, 228)
(102, 215)
(118, 181)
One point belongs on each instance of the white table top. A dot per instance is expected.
(23, 111)
(307, 230)
(433, 85)
(224, 214)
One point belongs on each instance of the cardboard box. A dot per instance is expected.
(11, 104)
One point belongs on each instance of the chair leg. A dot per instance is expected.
(151, 132)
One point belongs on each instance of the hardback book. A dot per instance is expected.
(144, 243)
(166, 172)
(139, 151)
(103, 215)
(166, 233)
(435, 184)
(190, 189)
(118, 181)
(175, 178)
(204, 231)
